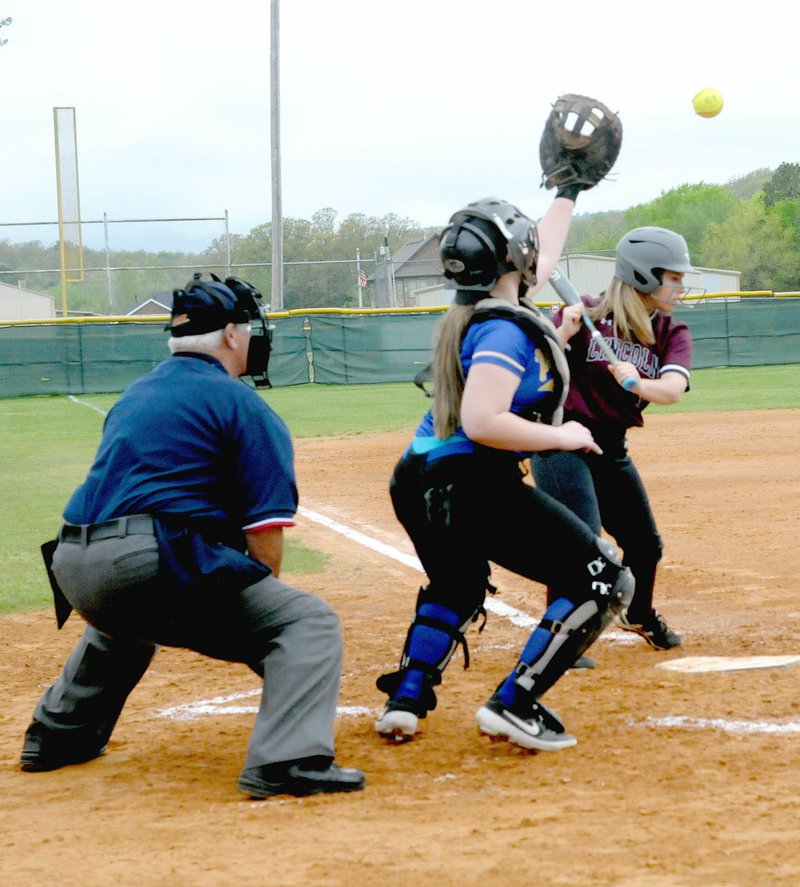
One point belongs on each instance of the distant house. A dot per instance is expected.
(415, 265)
(18, 303)
(148, 307)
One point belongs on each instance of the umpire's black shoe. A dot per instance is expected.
(45, 750)
(297, 780)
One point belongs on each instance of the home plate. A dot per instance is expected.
(727, 663)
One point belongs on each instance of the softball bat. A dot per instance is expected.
(569, 296)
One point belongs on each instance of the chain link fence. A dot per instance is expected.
(120, 276)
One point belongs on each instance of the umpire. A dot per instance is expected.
(176, 538)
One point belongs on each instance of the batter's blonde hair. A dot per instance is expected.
(448, 374)
(627, 308)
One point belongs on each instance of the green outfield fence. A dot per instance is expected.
(350, 346)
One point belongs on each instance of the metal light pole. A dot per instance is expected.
(276, 301)
(3, 22)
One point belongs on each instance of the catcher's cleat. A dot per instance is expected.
(653, 629)
(397, 723)
(536, 728)
(584, 662)
(44, 750)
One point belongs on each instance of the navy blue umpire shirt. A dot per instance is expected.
(189, 440)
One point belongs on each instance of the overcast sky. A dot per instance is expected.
(413, 108)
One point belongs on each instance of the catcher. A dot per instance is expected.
(500, 379)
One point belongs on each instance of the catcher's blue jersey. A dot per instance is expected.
(502, 343)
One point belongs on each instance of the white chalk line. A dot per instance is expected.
(220, 704)
(728, 726)
(226, 705)
(85, 403)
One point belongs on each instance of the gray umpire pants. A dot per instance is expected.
(290, 638)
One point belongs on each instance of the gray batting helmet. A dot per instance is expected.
(642, 254)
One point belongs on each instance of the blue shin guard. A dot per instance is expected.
(569, 627)
(432, 639)
(541, 642)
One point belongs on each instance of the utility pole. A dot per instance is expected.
(276, 301)
(3, 22)
(390, 281)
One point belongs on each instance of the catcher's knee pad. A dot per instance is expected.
(432, 639)
(609, 583)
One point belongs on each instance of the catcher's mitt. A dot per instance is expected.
(579, 144)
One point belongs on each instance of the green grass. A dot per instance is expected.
(299, 559)
(740, 388)
(47, 445)
(314, 410)
(323, 410)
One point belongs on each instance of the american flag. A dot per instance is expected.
(362, 277)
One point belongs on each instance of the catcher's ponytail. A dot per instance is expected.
(448, 374)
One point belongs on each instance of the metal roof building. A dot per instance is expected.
(18, 303)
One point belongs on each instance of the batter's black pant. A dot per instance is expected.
(606, 492)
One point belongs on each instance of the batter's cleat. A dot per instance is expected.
(653, 629)
(300, 782)
(397, 723)
(44, 750)
(584, 662)
(534, 728)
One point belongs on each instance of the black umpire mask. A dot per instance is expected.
(258, 357)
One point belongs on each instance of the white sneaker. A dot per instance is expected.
(397, 724)
(530, 731)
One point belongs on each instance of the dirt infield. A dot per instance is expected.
(677, 779)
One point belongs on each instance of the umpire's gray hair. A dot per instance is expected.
(204, 343)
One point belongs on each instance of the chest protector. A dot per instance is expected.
(542, 334)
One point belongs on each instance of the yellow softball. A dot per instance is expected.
(708, 102)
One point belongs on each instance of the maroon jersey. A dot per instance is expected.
(594, 395)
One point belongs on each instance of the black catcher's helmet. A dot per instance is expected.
(485, 240)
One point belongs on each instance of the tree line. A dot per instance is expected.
(750, 224)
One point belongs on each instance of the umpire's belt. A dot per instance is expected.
(130, 525)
